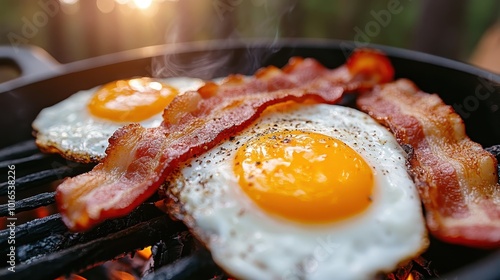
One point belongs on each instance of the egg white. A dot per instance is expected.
(249, 243)
(70, 129)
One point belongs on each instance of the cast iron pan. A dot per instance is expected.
(474, 93)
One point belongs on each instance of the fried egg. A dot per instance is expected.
(310, 191)
(79, 127)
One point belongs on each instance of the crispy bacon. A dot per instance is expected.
(138, 159)
(456, 177)
(371, 64)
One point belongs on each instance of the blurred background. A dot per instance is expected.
(72, 30)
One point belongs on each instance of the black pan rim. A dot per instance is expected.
(272, 44)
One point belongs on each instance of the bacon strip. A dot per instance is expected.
(456, 177)
(139, 159)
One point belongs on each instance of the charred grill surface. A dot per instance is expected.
(45, 249)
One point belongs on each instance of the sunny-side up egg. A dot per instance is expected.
(79, 127)
(307, 192)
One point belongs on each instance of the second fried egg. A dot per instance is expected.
(79, 127)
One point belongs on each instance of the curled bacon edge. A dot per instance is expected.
(138, 159)
(457, 179)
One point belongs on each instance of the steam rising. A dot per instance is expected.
(217, 26)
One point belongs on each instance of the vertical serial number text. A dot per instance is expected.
(11, 219)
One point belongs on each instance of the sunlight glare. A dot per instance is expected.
(143, 4)
(68, 2)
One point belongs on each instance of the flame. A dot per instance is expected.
(145, 253)
(41, 212)
(410, 277)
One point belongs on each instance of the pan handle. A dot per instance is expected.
(29, 60)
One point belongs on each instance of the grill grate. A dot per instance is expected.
(45, 249)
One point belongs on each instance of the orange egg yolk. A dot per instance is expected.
(305, 177)
(131, 100)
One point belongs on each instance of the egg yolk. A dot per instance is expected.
(305, 177)
(131, 100)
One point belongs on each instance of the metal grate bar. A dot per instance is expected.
(29, 160)
(29, 203)
(18, 150)
(34, 234)
(34, 230)
(43, 177)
